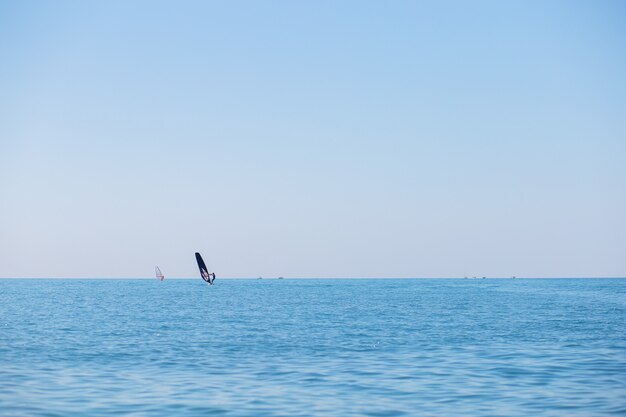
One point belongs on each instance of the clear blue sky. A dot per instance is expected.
(313, 139)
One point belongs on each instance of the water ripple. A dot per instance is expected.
(313, 347)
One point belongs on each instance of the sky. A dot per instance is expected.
(313, 138)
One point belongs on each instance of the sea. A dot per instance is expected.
(313, 347)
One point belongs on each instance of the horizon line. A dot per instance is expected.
(311, 278)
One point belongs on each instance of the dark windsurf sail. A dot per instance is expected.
(204, 272)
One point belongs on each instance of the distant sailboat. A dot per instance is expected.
(159, 275)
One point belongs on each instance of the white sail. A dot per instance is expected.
(159, 275)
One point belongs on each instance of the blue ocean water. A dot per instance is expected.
(436, 347)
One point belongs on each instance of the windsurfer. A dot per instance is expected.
(207, 276)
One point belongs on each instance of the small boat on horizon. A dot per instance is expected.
(159, 274)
